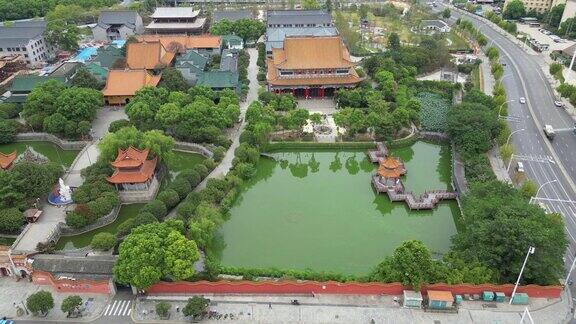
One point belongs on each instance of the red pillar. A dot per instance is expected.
(321, 92)
(306, 92)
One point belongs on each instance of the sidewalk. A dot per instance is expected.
(350, 309)
(15, 293)
(498, 165)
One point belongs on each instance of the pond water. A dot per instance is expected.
(318, 210)
(82, 240)
(52, 151)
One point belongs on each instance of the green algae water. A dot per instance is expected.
(316, 209)
(51, 151)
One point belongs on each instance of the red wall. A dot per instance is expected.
(71, 286)
(331, 287)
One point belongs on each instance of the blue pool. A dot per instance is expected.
(119, 43)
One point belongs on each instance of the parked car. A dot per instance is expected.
(522, 100)
(558, 103)
(549, 132)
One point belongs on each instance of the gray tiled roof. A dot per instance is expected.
(279, 17)
(275, 36)
(75, 267)
(228, 61)
(118, 17)
(230, 15)
(19, 33)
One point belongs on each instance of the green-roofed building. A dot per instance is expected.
(96, 70)
(220, 80)
(232, 42)
(107, 55)
(22, 85)
(191, 64)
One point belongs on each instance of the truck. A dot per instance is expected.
(549, 131)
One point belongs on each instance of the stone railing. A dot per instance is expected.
(140, 196)
(65, 230)
(63, 144)
(193, 147)
(435, 136)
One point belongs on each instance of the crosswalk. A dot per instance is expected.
(118, 308)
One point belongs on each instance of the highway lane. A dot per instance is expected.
(548, 163)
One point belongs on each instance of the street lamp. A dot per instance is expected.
(531, 250)
(537, 191)
(502, 105)
(508, 140)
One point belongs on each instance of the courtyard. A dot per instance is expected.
(316, 209)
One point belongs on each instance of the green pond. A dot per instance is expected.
(317, 210)
(82, 240)
(52, 151)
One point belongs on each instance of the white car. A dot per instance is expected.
(558, 103)
(522, 100)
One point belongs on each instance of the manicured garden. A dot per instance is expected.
(79, 241)
(317, 209)
(51, 151)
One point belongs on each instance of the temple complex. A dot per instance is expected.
(311, 67)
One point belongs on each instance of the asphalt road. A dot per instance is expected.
(551, 164)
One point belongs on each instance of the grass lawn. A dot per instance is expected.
(475, 75)
(456, 42)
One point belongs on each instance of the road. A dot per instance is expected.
(549, 163)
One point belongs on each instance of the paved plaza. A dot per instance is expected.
(352, 309)
(14, 294)
(325, 106)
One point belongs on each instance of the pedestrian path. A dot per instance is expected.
(118, 308)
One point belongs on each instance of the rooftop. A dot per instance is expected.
(147, 55)
(189, 42)
(230, 15)
(118, 17)
(130, 158)
(440, 295)
(228, 61)
(7, 159)
(175, 12)
(19, 33)
(283, 17)
(192, 57)
(94, 267)
(107, 55)
(275, 35)
(27, 82)
(127, 82)
(219, 79)
(312, 53)
(66, 69)
(196, 24)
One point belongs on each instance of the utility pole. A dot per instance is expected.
(531, 250)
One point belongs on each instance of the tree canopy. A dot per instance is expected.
(40, 303)
(514, 10)
(155, 251)
(247, 29)
(159, 144)
(501, 225)
(472, 127)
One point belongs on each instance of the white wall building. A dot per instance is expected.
(26, 38)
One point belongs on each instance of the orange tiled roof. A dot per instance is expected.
(130, 157)
(390, 163)
(147, 55)
(190, 42)
(440, 295)
(141, 175)
(7, 159)
(127, 82)
(274, 80)
(312, 52)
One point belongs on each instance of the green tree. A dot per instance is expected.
(173, 80)
(446, 13)
(168, 115)
(71, 304)
(567, 28)
(363, 11)
(195, 307)
(84, 79)
(78, 104)
(528, 189)
(162, 309)
(394, 41)
(514, 10)
(152, 252)
(103, 241)
(8, 131)
(555, 15)
(41, 102)
(169, 197)
(501, 225)
(62, 34)
(556, 70)
(159, 144)
(40, 303)
(472, 127)
(11, 220)
(310, 4)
